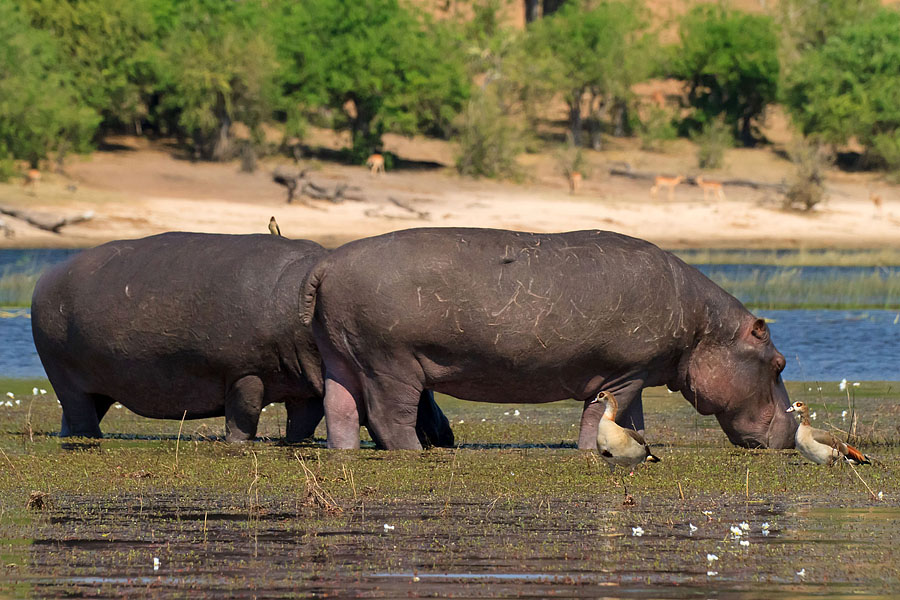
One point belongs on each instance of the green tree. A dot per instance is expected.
(40, 110)
(107, 46)
(806, 24)
(850, 87)
(217, 67)
(376, 66)
(730, 63)
(592, 57)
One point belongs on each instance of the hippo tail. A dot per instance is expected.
(309, 290)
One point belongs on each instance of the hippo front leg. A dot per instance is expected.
(631, 412)
(432, 425)
(303, 416)
(243, 403)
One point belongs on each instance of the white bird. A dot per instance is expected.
(822, 447)
(617, 445)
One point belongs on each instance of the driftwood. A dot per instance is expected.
(410, 212)
(298, 181)
(46, 222)
(757, 185)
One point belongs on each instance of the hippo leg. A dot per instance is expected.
(392, 406)
(303, 416)
(243, 403)
(432, 425)
(101, 405)
(631, 415)
(342, 416)
(79, 418)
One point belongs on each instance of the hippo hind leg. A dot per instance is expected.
(432, 426)
(243, 403)
(303, 416)
(392, 408)
(82, 412)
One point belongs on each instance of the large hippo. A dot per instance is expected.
(504, 316)
(207, 324)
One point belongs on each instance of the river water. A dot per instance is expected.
(819, 345)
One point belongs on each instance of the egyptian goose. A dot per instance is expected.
(822, 447)
(617, 445)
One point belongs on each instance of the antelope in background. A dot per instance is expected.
(375, 163)
(714, 187)
(32, 176)
(669, 182)
(574, 182)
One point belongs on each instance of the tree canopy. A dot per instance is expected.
(850, 87)
(730, 63)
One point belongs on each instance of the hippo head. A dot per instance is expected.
(737, 377)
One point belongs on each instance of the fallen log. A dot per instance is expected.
(46, 222)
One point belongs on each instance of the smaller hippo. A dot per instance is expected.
(188, 324)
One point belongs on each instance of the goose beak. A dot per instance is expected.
(791, 409)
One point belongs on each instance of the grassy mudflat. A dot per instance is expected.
(514, 510)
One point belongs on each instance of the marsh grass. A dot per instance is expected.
(515, 497)
(16, 285)
(788, 288)
(811, 257)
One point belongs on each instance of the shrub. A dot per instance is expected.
(808, 186)
(712, 141)
(656, 129)
(489, 141)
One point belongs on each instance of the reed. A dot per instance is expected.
(882, 257)
(788, 289)
(16, 286)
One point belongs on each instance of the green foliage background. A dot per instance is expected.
(73, 72)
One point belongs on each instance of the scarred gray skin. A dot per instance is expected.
(207, 324)
(503, 316)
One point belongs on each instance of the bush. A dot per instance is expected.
(729, 61)
(656, 129)
(489, 141)
(712, 141)
(848, 88)
(808, 186)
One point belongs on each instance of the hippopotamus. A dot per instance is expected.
(505, 316)
(188, 325)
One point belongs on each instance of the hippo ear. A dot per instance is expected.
(760, 330)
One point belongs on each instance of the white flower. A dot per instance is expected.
(516, 413)
(711, 557)
(736, 531)
(461, 421)
(483, 420)
(18, 402)
(117, 405)
(744, 525)
(802, 572)
(813, 416)
(765, 525)
(712, 573)
(843, 384)
(263, 410)
(844, 415)
(7, 403)
(637, 531)
(692, 528)
(388, 527)
(855, 384)
(10, 395)
(708, 513)
(745, 543)
(43, 391)
(155, 564)
(881, 495)
(506, 413)
(34, 391)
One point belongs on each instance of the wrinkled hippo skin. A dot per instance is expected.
(503, 316)
(207, 324)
